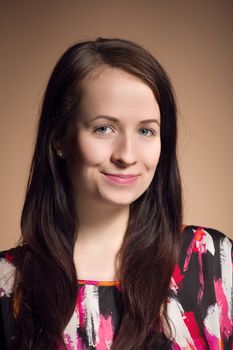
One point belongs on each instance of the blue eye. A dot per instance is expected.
(146, 132)
(103, 130)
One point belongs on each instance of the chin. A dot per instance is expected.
(118, 203)
(120, 199)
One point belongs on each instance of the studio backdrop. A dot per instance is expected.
(192, 40)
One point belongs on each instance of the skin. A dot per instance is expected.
(101, 147)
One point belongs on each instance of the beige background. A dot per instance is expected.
(192, 39)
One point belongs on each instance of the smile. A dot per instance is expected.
(121, 179)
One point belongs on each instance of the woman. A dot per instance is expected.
(104, 261)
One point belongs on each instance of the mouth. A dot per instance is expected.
(122, 179)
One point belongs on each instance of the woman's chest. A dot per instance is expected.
(96, 317)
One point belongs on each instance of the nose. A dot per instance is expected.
(124, 152)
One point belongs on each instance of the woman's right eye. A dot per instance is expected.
(103, 130)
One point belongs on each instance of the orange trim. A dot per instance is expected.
(100, 283)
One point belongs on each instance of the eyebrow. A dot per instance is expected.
(115, 120)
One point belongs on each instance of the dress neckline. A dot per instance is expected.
(99, 283)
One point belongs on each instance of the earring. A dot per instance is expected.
(60, 153)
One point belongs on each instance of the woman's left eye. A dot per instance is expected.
(146, 132)
(103, 130)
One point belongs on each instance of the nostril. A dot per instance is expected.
(122, 162)
(124, 152)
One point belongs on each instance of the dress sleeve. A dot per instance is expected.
(201, 306)
(223, 287)
(7, 276)
(2, 331)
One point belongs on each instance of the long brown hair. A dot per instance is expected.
(46, 282)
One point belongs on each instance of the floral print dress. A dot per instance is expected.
(199, 307)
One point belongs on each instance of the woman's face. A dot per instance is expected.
(115, 147)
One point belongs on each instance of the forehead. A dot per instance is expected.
(112, 90)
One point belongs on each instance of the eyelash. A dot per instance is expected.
(97, 130)
(152, 132)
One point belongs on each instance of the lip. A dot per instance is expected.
(122, 179)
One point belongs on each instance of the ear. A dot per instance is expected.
(57, 145)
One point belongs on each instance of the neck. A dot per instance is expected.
(100, 235)
(102, 223)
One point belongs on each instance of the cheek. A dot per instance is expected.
(151, 157)
(92, 152)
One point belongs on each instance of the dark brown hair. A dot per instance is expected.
(46, 281)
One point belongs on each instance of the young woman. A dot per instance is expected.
(104, 261)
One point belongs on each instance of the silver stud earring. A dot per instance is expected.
(60, 153)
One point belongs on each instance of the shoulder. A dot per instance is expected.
(201, 231)
(202, 289)
(8, 262)
(206, 252)
(202, 240)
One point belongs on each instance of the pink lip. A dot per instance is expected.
(121, 178)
